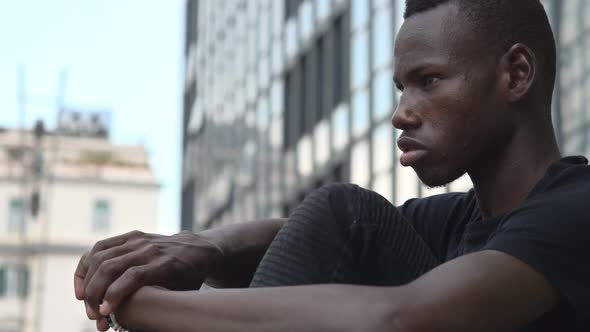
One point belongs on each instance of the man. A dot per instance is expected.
(476, 78)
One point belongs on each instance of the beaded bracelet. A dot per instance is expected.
(116, 326)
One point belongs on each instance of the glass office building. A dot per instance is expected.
(571, 24)
(284, 96)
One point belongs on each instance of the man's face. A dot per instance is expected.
(451, 111)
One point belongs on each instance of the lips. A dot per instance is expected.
(412, 150)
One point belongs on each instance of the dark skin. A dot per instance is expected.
(460, 111)
(486, 117)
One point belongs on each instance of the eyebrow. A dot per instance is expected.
(416, 69)
(412, 72)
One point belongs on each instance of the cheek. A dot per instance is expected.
(456, 129)
(453, 114)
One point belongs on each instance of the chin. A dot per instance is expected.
(437, 177)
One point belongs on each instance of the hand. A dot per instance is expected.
(116, 267)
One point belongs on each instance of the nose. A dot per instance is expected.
(405, 117)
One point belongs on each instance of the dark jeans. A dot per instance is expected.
(342, 233)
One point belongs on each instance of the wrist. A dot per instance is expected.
(219, 250)
(143, 310)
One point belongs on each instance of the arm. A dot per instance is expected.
(116, 267)
(485, 291)
(315, 308)
(243, 246)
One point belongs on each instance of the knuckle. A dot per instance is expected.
(136, 233)
(137, 274)
(138, 242)
(98, 246)
(152, 250)
(83, 263)
(184, 235)
(94, 260)
(107, 268)
(172, 264)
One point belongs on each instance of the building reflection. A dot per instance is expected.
(284, 96)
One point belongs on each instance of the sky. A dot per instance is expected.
(122, 55)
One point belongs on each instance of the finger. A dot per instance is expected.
(114, 241)
(79, 276)
(109, 271)
(133, 279)
(80, 281)
(90, 313)
(102, 325)
(100, 257)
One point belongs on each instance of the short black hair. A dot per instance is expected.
(504, 23)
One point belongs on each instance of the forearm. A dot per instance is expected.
(243, 246)
(301, 308)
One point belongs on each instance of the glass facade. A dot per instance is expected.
(289, 95)
(571, 24)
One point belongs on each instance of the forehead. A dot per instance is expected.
(436, 35)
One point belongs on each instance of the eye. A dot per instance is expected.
(400, 87)
(429, 80)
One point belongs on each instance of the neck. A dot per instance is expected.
(502, 183)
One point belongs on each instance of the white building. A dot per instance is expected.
(89, 189)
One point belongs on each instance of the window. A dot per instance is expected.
(340, 133)
(290, 39)
(382, 95)
(340, 59)
(291, 8)
(306, 20)
(276, 97)
(263, 71)
(311, 91)
(264, 32)
(3, 286)
(22, 287)
(276, 57)
(277, 16)
(359, 13)
(382, 148)
(382, 39)
(360, 59)
(319, 57)
(359, 164)
(302, 97)
(322, 9)
(316, 84)
(290, 111)
(382, 3)
(16, 215)
(101, 216)
(360, 112)
(14, 281)
(383, 184)
(262, 113)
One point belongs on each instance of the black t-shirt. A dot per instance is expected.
(549, 231)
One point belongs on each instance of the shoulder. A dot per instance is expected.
(569, 176)
(549, 232)
(561, 198)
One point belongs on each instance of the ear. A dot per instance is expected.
(519, 65)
